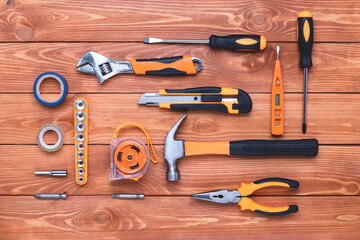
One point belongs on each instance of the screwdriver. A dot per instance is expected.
(305, 37)
(242, 42)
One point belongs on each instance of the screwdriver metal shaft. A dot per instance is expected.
(305, 100)
(158, 40)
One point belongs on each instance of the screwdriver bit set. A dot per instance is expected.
(130, 157)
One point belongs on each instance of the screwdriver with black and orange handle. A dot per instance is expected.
(241, 42)
(305, 37)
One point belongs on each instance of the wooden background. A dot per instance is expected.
(50, 35)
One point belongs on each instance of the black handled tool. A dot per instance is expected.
(241, 42)
(302, 147)
(175, 149)
(228, 100)
(239, 196)
(305, 37)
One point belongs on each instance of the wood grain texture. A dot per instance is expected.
(335, 67)
(176, 218)
(35, 20)
(335, 171)
(38, 36)
(332, 119)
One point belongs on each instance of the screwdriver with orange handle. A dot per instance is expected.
(240, 42)
(277, 100)
(305, 37)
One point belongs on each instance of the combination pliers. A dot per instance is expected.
(240, 196)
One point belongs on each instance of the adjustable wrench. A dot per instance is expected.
(104, 68)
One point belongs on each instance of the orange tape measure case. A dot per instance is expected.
(129, 157)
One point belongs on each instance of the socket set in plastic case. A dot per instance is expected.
(81, 139)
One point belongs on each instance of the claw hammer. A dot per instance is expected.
(175, 149)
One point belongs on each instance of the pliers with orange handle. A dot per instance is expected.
(240, 196)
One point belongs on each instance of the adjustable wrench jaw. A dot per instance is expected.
(103, 67)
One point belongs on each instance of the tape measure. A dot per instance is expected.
(129, 157)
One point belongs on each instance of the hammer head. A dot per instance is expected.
(103, 67)
(174, 149)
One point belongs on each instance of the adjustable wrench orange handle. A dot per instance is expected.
(181, 65)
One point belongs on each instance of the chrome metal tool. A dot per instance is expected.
(128, 196)
(54, 173)
(50, 196)
(104, 68)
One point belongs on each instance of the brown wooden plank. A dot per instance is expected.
(335, 67)
(332, 119)
(335, 171)
(133, 20)
(176, 218)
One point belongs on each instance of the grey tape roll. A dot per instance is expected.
(40, 138)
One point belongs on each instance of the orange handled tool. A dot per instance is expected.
(277, 99)
(182, 65)
(305, 37)
(238, 42)
(240, 196)
(104, 68)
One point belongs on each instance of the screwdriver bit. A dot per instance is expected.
(50, 196)
(54, 173)
(128, 196)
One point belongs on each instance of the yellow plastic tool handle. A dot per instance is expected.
(181, 65)
(248, 188)
(210, 99)
(277, 102)
(248, 204)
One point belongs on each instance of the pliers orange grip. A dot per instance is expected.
(240, 196)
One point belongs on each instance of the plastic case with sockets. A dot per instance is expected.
(81, 139)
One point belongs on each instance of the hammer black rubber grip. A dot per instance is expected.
(303, 147)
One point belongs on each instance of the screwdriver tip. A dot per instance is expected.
(304, 128)
(152, 40)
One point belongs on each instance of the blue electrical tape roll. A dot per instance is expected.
(63, 90)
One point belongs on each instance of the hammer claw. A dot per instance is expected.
(174, 149)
